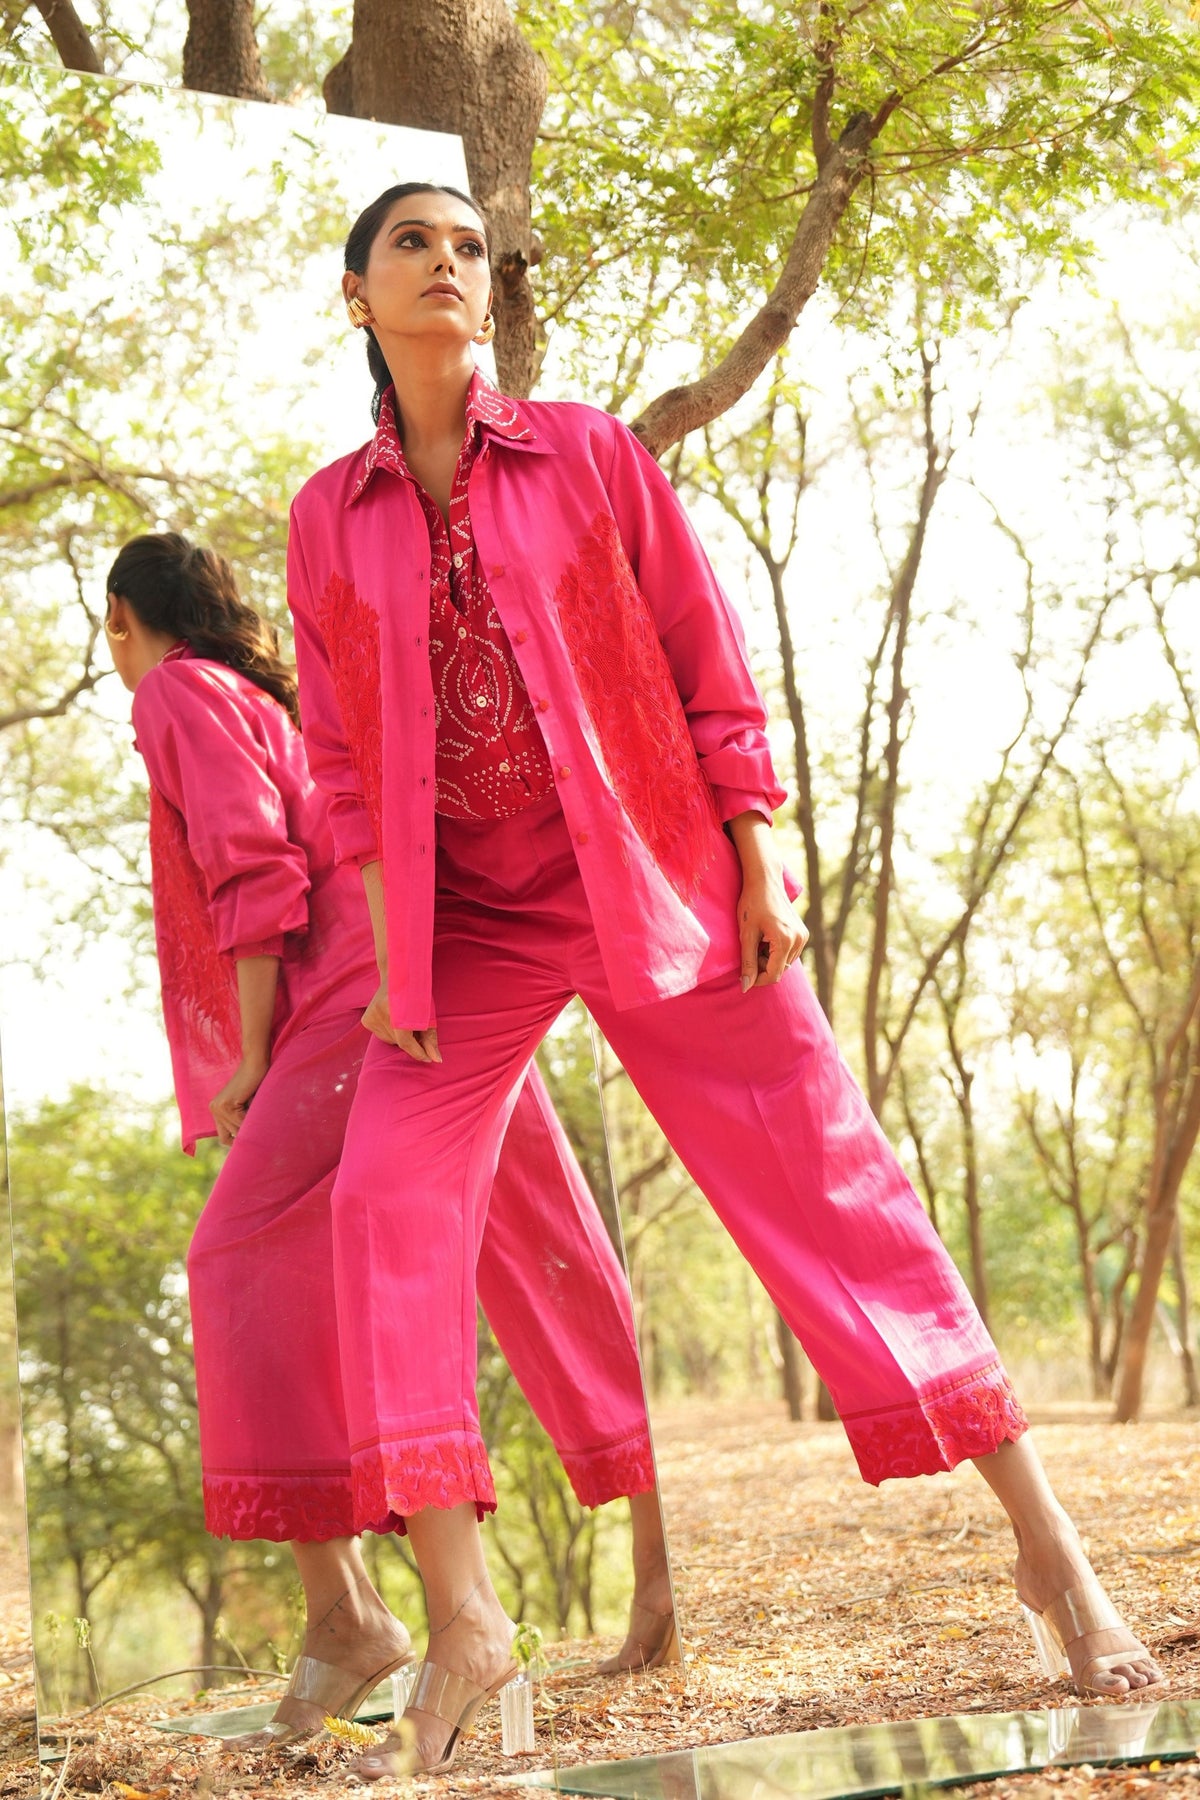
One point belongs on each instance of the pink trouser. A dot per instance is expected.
(753, 1095)
(267, 1335)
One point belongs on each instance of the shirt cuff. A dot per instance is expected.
(272, 946)
(730, 803)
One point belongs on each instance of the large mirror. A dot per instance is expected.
(178, 358)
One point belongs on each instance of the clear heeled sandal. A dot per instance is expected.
(1081, 1612)
(337, 1692)
(456, 1700)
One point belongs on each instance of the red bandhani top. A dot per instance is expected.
(490, 760)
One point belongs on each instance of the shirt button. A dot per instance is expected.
(503, 768)
(543, 706)
(458, 562)
(481, 699)
(581, 837)
(497, 568)
(520, 637)
(462, 631)
(564, 771)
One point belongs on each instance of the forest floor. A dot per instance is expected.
(808, 1600)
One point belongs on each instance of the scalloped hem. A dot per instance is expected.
(598, 1476)
(400, 1476)
(283, 1507)
(970, 1417)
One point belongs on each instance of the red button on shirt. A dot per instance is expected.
(491, 761)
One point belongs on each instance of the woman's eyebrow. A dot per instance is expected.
(431, 226)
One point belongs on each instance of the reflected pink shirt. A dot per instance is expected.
(243, 864)
(633, 658)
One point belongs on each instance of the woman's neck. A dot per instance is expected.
(431, 398)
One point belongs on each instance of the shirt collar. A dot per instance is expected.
(488, 410)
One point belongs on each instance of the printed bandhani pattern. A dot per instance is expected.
(491, 760)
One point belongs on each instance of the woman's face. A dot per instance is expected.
(428, 273)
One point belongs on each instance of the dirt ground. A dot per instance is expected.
(18, 1715)
(808, 1600)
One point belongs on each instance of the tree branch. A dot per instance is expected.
(683, 409)
(70, 36)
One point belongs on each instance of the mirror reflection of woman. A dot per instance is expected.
(529, 699)
(267, 961)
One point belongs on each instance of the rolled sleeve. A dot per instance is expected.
(204, 757)
(699, 630)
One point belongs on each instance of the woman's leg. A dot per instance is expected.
(1051, 1562)
(469, 1631)
(752, 1093)
(349, 1629)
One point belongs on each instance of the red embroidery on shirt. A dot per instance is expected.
(350, 628)
(634, 705)
(195, 976)
(971, 1417)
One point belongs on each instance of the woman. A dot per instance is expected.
(529, 703)
(267, 962)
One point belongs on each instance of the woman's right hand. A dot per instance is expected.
(422, 1046)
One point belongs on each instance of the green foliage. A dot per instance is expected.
(677, 151)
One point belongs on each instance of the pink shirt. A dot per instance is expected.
(491, 761)
(243, 864)
(632, 656)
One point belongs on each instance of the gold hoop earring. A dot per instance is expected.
(116, 636)
(487, 330)
(359, 312)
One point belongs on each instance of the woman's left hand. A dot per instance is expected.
(228, 1108)
(770, 930)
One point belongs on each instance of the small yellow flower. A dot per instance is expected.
(349, 1731)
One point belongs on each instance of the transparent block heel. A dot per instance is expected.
(1050, 1653)
(516, 1715)
(403, 1682)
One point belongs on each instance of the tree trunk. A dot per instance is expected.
(462, 66)
(70, 36)
(793, 1388)
(1177, 1126)
(826, 1410)
(1187, 1361)
(220, 53)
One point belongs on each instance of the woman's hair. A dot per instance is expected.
(366, 229)
(189, 592)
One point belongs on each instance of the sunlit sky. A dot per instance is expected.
(76, 1021)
